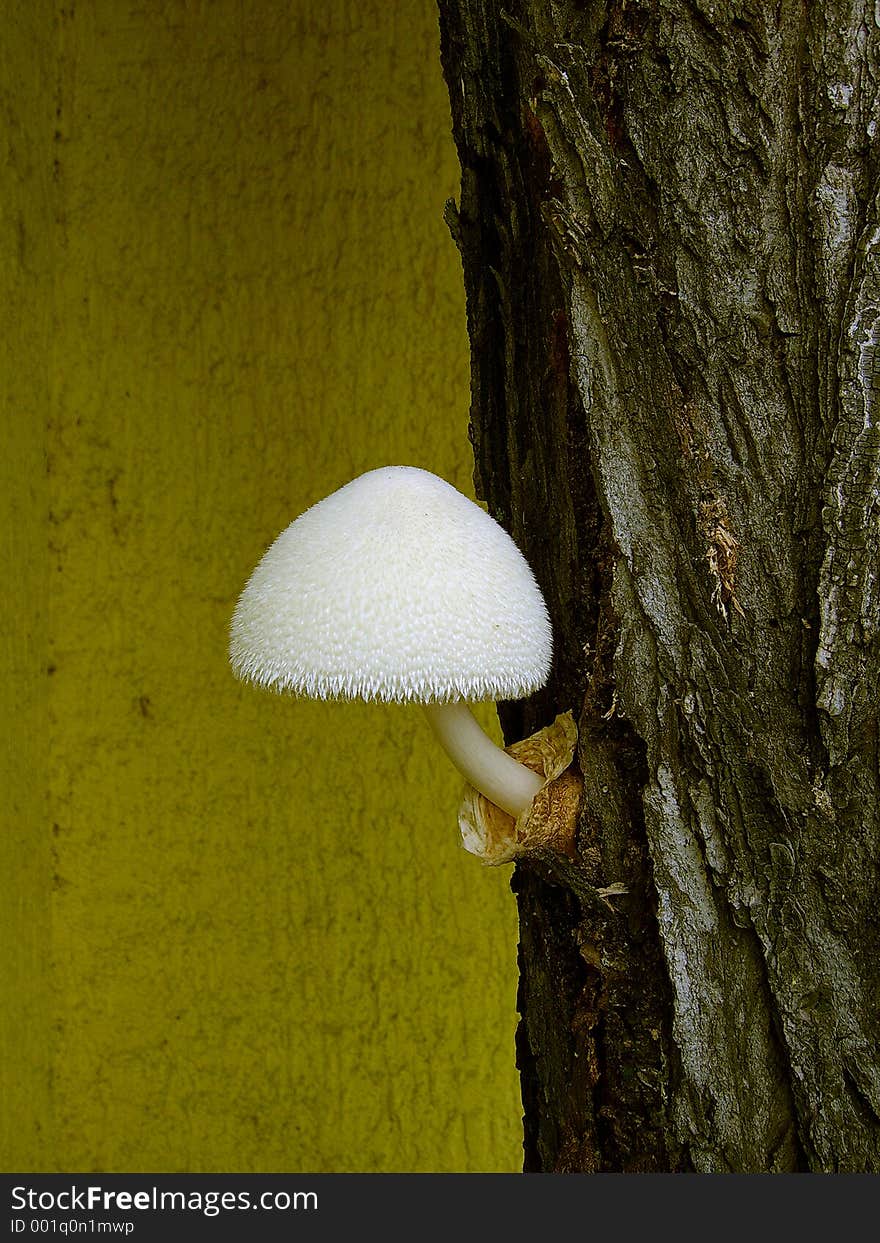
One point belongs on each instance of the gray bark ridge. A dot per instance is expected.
(711, 201)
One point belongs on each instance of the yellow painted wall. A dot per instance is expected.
(239, 930)
(26, 102)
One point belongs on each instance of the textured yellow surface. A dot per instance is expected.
(26, 61)
(263, 947)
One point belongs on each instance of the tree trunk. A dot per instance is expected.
(670, 232)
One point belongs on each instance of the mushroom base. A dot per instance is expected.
(549, 823)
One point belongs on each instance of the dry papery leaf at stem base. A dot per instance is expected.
(550, 822)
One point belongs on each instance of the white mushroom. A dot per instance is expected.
(398, 588)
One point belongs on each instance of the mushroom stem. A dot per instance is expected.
(497, 775)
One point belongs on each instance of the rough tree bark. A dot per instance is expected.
(670, 232)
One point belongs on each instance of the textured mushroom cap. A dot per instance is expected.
(396, 587)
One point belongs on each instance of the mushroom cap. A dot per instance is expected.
(395, 587)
